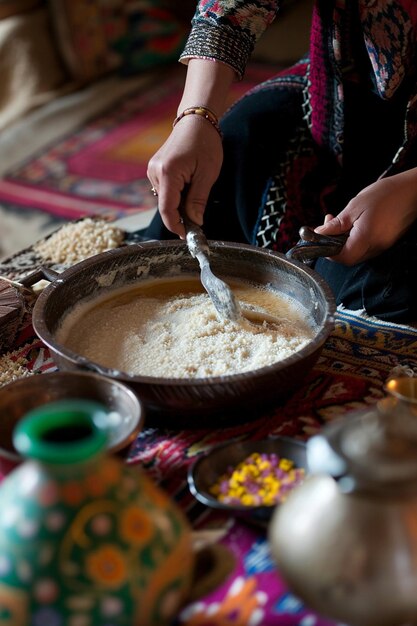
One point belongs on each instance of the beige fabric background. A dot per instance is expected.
(30, 70)
(32, 62)
(40, 103)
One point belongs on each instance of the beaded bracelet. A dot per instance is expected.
(203, 112)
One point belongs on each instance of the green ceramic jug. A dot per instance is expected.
(86, 540)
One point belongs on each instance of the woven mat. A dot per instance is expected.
(358, 357)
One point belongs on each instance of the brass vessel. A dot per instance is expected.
(346, 539)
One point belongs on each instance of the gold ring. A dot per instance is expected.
(155, 193)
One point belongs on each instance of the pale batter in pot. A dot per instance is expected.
(170, 330)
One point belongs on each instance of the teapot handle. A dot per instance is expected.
(323, 459)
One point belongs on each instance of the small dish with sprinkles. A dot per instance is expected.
(249, 478)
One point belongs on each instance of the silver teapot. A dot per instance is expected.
(346, 539)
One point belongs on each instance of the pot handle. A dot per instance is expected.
(42, 273)
(312, 245)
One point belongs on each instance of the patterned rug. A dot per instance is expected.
(358, 357)
(355, 363)
(101, 168)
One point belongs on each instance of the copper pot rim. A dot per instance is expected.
(48, 338)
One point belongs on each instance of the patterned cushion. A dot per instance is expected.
(97, 36)
(8, 8)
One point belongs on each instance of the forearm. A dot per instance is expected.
(207, 84)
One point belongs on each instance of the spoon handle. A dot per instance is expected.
(195, 238)
(220, 293)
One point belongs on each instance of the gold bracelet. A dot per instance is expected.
(203, 112)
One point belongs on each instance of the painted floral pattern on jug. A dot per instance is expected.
(93, 543)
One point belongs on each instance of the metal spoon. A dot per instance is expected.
(220, 293)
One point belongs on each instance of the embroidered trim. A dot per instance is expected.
(275, 205)
(223, 44)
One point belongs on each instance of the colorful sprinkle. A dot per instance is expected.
(258, 480)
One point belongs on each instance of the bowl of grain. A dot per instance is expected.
(216, 375)
(122, 420)
(249, 479)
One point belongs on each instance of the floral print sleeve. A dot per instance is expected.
(227, 30)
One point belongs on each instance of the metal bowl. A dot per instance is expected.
(180, 403)
(125, 411)
(207, 469)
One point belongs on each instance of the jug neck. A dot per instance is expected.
(61, 433)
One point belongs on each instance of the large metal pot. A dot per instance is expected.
(189, 400)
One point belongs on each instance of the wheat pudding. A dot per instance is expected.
(170, 329)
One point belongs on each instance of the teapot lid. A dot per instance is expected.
(378, 446)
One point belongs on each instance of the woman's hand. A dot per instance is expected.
(193, 154)
(376, 218)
